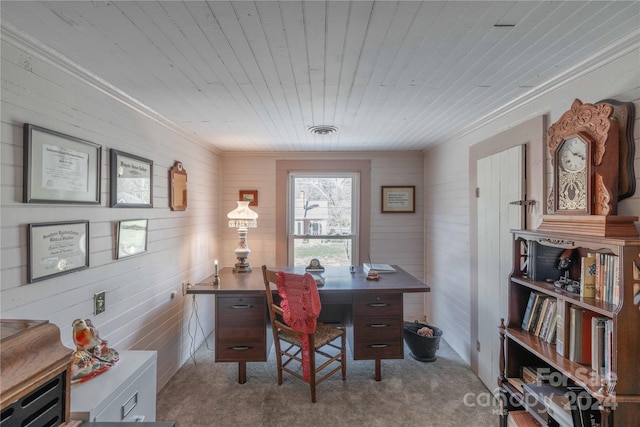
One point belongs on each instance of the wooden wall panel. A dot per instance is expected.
(140, 313)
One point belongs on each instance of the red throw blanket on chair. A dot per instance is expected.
(301, 306)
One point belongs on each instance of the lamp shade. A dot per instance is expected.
(242, 216)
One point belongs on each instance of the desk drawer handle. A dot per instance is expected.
(378, 304)
(128, 406)
(379, 345)
(240, 347)
(378, 325)
(241, 306)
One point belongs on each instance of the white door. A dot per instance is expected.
(500, 181)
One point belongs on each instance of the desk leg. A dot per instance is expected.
(378, 370)
(242, 372)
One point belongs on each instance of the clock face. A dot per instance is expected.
(572, 155)
(572, 184)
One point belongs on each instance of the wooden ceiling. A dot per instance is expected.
(255, 75)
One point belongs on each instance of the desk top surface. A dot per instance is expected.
(337, 279)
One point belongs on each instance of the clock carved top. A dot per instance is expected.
(590, 118)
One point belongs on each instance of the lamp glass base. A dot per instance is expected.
(242, 267)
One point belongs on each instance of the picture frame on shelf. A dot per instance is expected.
(56, 248)
(250, 196)
(131, 183)
(60, 168)
(131, 237)
(398, 199)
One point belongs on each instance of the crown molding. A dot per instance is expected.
(21, 40)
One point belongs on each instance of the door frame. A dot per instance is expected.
(531, 134)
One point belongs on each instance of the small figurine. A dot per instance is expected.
(92, 356)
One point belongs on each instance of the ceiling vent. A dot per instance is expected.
(323, 130)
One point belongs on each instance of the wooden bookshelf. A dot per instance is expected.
(617, 392)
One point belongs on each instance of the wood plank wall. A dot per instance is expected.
(447, 191)
(140, 313)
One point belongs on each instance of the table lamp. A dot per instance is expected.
(242, 218)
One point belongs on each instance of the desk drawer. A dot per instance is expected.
(378, 348)
(241, 326)
(378, 327)
(241, 350)
(377, 304)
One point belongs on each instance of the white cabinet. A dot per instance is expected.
(126, 392)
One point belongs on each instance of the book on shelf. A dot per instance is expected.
(584, 407)
(516, 382)
(527, 312)
(575, 333)
(378, 268)
(588, 276)
(535, 312)
(541, 316)
(598, 325)
(543, 262)
(548, 318)
(560, 329)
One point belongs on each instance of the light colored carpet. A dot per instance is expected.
(411, 393)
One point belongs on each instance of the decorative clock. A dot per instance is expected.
(583, 145)
(587, 163)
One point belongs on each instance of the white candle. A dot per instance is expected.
(216, 268)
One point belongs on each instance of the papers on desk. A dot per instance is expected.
(378, 268)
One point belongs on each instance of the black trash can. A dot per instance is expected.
(422, 348)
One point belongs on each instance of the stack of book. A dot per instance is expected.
(540, 316)
(378, 268)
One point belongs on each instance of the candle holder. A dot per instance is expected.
(216, 280)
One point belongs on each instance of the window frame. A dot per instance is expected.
(283, 167)
(355, 209)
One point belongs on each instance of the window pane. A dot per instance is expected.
(328, 251)
(322, 206)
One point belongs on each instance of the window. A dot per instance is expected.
(361, 206)
(322, 218)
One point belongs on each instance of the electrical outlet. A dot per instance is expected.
(99, 302)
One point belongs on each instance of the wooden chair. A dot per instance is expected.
(319, 341)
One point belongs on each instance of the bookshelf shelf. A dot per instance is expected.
(613, 383)
(595, 305)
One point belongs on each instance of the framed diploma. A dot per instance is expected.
(399, 199)
(131, 181)
(60, 168)
(57, 248)
(131, 236)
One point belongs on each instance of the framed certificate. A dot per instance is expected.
(131, 237)
(57, 248)
(60, 168)
(399, 198)
(131, 181)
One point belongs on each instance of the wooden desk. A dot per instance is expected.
(371, 310)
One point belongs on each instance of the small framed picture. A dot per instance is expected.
(131, 237)
(57, 248)
(398, 199)
(250, 196)
(131, 181)
(60, 168)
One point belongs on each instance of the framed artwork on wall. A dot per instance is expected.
(250, 196)
(57, 248)
(131, 237)
(59, 168)
(398, 198)
(131, 181)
